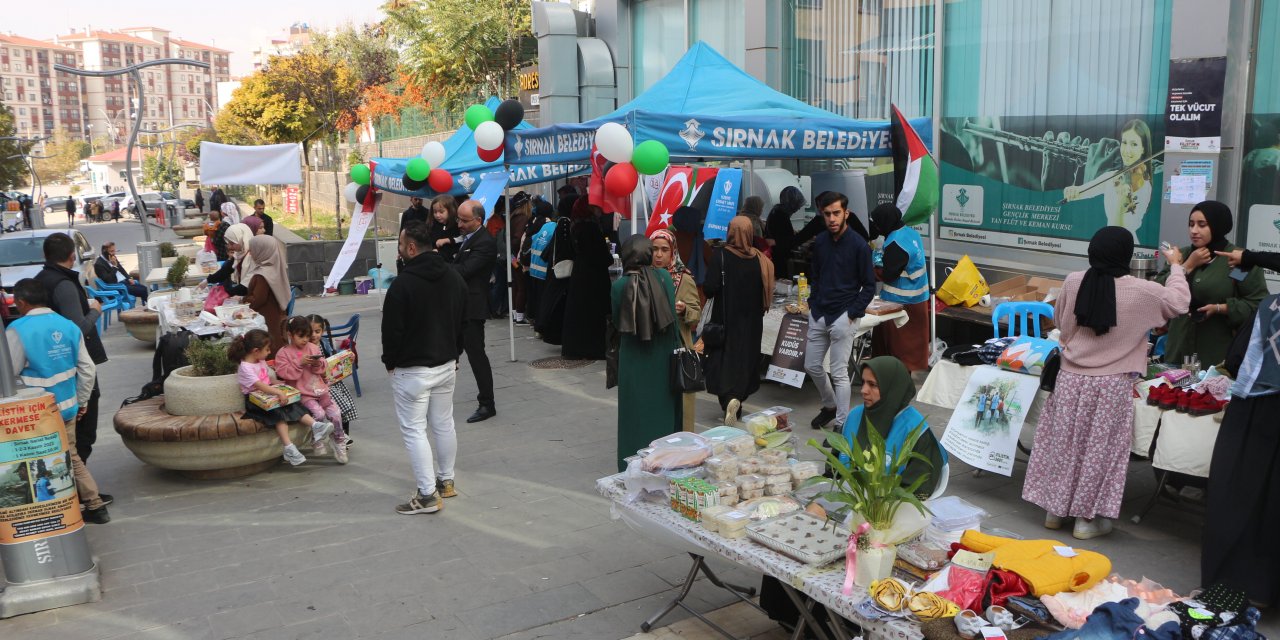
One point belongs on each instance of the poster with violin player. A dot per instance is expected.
(1049, 182)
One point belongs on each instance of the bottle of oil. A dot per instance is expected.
(802, 288)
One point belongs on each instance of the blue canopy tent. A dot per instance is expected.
(708, 108)
(466, 167)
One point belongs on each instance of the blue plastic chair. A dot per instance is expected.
(349, 330)
(293, 297)
(1024, 313)
(127, 301)
(110, 301)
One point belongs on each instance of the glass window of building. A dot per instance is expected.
(1260, 175)
(659, 38)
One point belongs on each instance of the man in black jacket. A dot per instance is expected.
(477, 252)
(422, 336)
(415, 213)
(216, 199)
(260, 210)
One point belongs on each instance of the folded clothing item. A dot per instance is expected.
(1039, 563)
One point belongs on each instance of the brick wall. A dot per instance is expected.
(310, 261)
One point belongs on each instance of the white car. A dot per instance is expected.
(22, 255)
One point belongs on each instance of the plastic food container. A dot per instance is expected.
(801, 471)
(772, 456)
(710, 514)
(748, 465)
(773, 419)
(777, 469)
(733, 524)
(721, 468)
(750, 482)
(777, 489)
(741, 446)
(953, 513)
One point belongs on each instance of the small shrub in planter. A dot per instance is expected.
(167, 250)
(177, 272)
(209, 358)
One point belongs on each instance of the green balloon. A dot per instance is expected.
(418, 169)
(650, 157)
(360, 174)
(476, 114)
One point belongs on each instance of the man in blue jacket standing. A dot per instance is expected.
(48, 352)
(843, 282)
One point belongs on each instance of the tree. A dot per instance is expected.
(62, 157)
(462, 50)
(13, 171)
(161, 171)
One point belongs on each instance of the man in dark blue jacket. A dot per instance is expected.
(843, 281)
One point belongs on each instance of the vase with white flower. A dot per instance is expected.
(867, 487)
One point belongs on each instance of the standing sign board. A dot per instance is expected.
(724, 204)
(291, 200)
(984, 428)
(787, 364)
(1193, 116)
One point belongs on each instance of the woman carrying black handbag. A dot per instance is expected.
(687, 371)
(740, 280)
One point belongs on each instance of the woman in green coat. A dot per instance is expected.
(644, 314)
(1220, 302)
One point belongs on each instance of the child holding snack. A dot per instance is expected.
(251, 351)
(300, 364)
(338, 390)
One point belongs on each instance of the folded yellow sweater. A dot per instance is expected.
(1045, 570)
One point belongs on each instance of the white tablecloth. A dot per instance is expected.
(946, 383)
(773, 320)
(823, 584)
(1185, 444)
(158, 275)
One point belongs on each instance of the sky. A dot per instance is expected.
(238, 25)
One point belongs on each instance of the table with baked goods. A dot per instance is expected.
(822, 584)
(773, 321)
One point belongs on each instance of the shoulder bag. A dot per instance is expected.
(686, 371)
(714, 334)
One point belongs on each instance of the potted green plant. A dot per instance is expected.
(207, 386)
(867, 484)
(177, 274)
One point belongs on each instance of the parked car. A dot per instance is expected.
(57, 204)
(154, 200)
(22, 255)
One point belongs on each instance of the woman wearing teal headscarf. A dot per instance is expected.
(887, 392)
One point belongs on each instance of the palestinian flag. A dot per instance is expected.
(915, 172)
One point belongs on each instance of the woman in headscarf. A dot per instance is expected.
(887, 392)
(586, 307)
(753, 208)
(644, 315)
(230, 212)
(740, 281)
(906, 282)
(255, 225)
(229, 275)
(267, 278)
(1244, 490)
(688, 303)
(1222, 300)
(555, 291)
(780, 230)
(1077, 468)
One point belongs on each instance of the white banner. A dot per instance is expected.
(985, 425)
(359, 226)
(226, 164)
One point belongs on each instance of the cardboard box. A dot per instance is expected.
(339, 366)
(269, 401)
(1020, 289)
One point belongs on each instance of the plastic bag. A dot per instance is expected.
(958, 584)
(677, 451)
(217, 295)
(964, 285)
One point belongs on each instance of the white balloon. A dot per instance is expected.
(349, 192)
(489, 135)
(433, 153)
(614, 142)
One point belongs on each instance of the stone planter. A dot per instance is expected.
(168, 262)
(142, 324)
(189, 230)
(189, 250)
(201, 447)
(189, 395)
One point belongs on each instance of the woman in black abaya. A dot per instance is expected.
(550, 317)
(586, 308)
(740, 281)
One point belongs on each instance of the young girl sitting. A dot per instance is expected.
(300, 364)
(251, 350)
(338, 390)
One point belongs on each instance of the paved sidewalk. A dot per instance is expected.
(528, 550)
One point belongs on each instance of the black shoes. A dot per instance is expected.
(97, 516)
(106, 499)
(484, 412)
(824, 417)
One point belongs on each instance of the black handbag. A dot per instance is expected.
(714, 334)
(686, 371)
(1049, 373)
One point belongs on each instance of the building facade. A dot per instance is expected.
(1050, 115)
(43, 100)
(297, 36)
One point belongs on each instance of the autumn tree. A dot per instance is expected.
(462, 50)
(13, 170)
(61, 157)
(161, 171)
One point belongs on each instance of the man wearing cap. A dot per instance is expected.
(415, 213)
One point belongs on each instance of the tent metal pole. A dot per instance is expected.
(506, 236)
(935, 354)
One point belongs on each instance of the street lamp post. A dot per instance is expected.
(134, 73)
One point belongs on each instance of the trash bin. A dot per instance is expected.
(148, 258)
(175, 214)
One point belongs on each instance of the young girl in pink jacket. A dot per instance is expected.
(301, 365)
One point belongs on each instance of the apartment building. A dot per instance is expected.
(297, 36)
(43, 100)
(173, 94)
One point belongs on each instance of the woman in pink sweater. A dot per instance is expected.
(1078, 464)
(301, 365)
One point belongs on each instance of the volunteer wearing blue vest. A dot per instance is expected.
(48, 352)
(906, 282)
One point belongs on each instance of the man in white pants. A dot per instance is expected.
(421, 339)
(843, 281)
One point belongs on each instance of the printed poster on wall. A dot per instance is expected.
(37, 492)
(1193, 115)
(985, 425)
(1048, 183)
(724, 204)
(787, 364)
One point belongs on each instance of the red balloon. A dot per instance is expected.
(489, 155)
(440, 181)
(621, 179)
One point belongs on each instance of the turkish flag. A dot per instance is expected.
(683, 188)
(595, 189)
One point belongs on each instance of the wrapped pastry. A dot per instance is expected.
(748, 465)
(748, 482)
(801, 471)
(721, 468)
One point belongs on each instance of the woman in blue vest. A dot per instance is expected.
(906, 282)
(887, 392)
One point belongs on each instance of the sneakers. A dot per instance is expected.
(1091, 528)
(421, 504)
(340, 451)
(319, 448)
(445, 488)
(998, 616)
(824, 417)
(969, 624)
(1051, 521)
(731, 412)
(320, 430)
(97, 516)
(351, 442)
(293, 456)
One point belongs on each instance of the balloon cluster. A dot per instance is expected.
(627, 161)
(358, 188)
(491, 126)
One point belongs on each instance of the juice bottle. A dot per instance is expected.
(802, 288)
